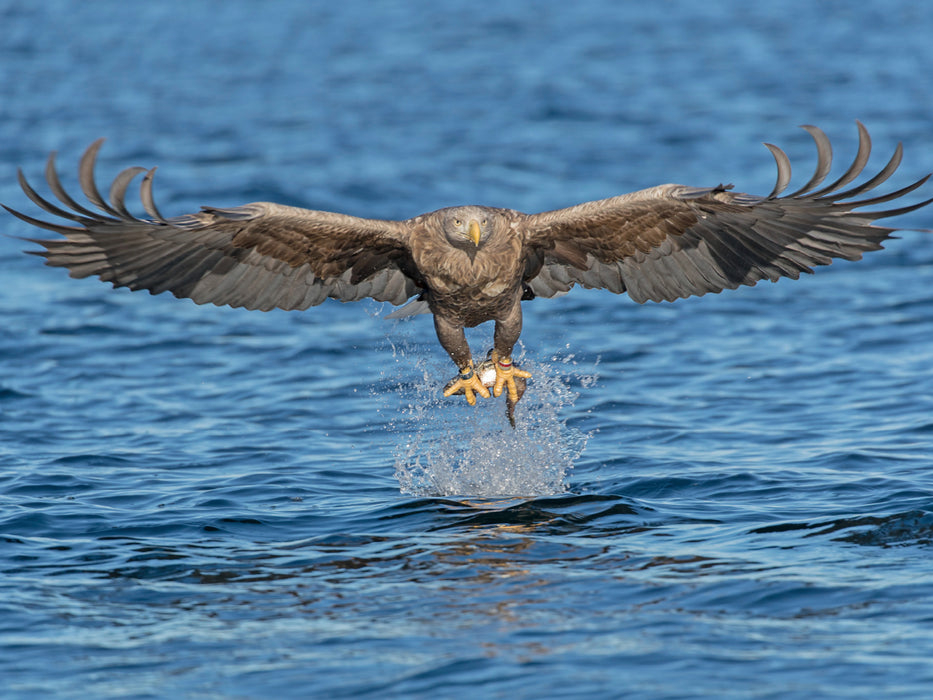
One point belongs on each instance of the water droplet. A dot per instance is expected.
(447, 448)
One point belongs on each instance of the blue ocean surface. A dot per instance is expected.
(726, 497)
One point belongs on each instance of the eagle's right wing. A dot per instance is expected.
(259, 256)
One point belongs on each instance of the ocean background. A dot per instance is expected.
(724, 497)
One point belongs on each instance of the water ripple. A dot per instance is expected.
(723, 497)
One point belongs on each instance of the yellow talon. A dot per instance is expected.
(506, 374)
(469, 383)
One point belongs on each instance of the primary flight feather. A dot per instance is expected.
(472, 264)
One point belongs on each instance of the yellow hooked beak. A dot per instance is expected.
(475, 232)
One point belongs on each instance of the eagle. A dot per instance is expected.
(468, 265)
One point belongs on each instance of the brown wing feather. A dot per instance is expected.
(259, 256)
(673, 241)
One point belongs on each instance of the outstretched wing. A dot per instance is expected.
(259, 256)
(673, 241)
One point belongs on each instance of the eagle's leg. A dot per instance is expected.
(506, 335)
(469, 383)
(453, 340)
(506, 374)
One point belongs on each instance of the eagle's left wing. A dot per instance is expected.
(674, 241)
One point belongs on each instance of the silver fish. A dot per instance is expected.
(486, 371)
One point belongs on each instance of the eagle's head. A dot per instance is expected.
(469, 228)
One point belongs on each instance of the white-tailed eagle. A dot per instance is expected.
(472, 264)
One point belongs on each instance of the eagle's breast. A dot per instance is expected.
(471, 286)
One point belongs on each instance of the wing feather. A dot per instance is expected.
(259, 255)
(673, 241)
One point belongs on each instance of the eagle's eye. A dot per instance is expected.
(457, 222)
(485, 221)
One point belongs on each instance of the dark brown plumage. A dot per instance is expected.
(472, 264)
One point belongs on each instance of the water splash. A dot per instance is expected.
(448, 448)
